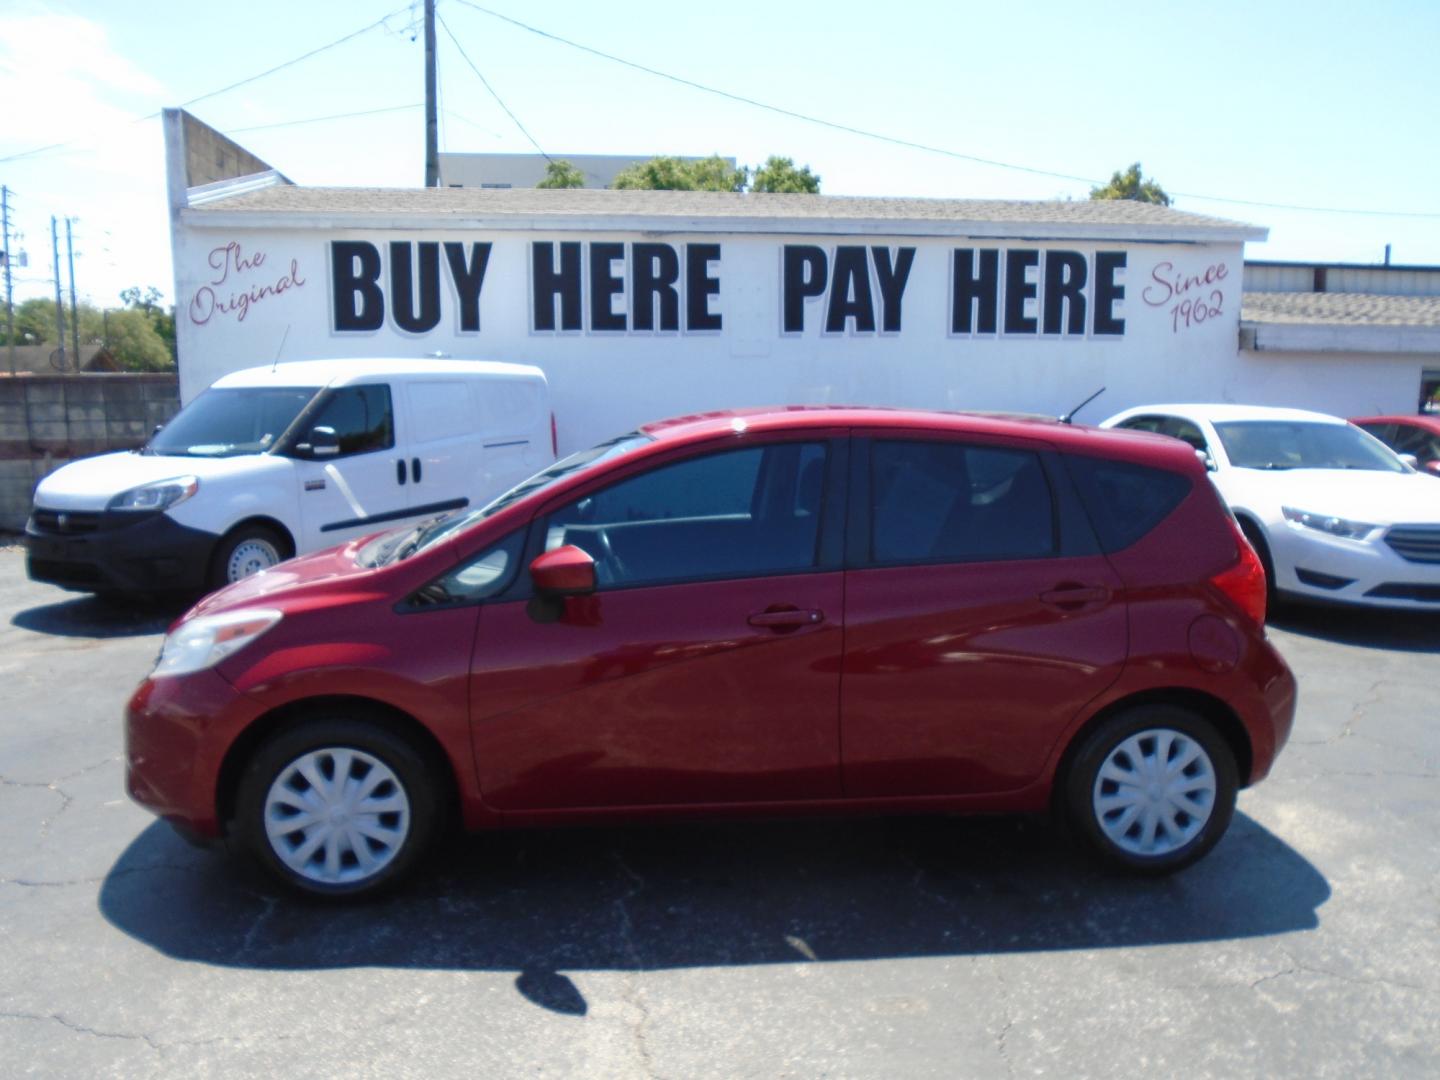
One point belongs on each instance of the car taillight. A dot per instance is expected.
(554, 437)
(1244, 583)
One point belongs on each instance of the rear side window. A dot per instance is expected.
(1125, 500)
(948, 502)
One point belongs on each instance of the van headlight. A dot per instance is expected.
(161, 495)
(202, 643)
(1327, 523)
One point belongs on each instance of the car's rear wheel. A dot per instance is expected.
(338, 805)
(1152, 789)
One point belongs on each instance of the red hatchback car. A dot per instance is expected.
(1418, 435)
(807, 610)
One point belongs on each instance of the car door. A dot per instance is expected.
(442, 460)
(363, 486)
(705, 668)
(980, 616)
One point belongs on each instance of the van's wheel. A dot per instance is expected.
(338, 806)
(1151, 790)
(245, 551)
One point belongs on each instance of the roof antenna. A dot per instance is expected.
(1069, 417)
(280, 350)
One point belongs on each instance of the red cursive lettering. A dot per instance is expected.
(1168, 284)
(228, 260)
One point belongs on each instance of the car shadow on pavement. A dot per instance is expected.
(544, 903)
(1405, 631)
(92, 617)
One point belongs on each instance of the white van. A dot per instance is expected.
(280, 460)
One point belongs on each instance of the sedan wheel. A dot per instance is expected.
(1152, 789)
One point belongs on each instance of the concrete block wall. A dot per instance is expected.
(50, 420)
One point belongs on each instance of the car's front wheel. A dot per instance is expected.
(1152, 789)
(338, 806)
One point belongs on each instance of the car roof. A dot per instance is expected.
(345, 371)
(1081, 438)
(1420, 420)
(1218, 413)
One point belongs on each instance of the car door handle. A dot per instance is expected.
(415, 469)
(1069, 597)
(400, 472)
(786, 618)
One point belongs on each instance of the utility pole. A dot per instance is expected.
(59, 304)
(9, 290)
(74, 318)
(432, 130)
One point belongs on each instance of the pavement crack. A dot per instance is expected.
(270, 903)
(631, 989)
(81, 1029)
(66, 799)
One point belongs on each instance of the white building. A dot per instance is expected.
(640, 304)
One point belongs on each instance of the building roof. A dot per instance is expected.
(286, 205)
(1339, 309)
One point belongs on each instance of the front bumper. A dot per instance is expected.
(177, 732)
(1313, 565)
(116, 551)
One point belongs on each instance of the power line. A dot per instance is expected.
(493, 94)
(321, 119)
(895, 141)
(233, 86)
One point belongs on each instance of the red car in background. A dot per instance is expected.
(1416, 435)
(808, 610)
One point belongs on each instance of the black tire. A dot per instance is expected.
(357, 736)
(1262, 548)
(233, 542)
(1084, 788)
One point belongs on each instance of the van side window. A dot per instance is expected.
(362, 418)
(942, 502)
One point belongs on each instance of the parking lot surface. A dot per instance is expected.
(1307, 944)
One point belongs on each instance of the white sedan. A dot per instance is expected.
(1332, 512)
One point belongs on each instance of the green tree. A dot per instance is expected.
(35, 323)
(162, 319)
(779, 174)
(135, 343)
(672, 174)
(561, 174)
(1130, 185)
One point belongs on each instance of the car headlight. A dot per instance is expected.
(161, 495)
(204, 642)
(1327, 523)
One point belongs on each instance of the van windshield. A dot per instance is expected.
(402, 543)
(230, 422)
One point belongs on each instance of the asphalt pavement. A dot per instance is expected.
(1307, 944)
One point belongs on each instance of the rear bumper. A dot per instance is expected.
(119, 552)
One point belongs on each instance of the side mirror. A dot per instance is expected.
(566, 571)
(1410, 459)
(1206, 459)
(323, 443)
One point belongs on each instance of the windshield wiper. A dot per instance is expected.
(1272, 465)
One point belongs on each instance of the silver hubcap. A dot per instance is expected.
(250, 557)
(1155, 792)
(337, 815)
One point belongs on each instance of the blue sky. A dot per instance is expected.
(1302, 104)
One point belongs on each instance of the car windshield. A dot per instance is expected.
(227, 423)
(404, 542)
(1299, 444)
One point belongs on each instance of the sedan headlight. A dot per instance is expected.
(1327, 523)
(161, 495)
(204, 642)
